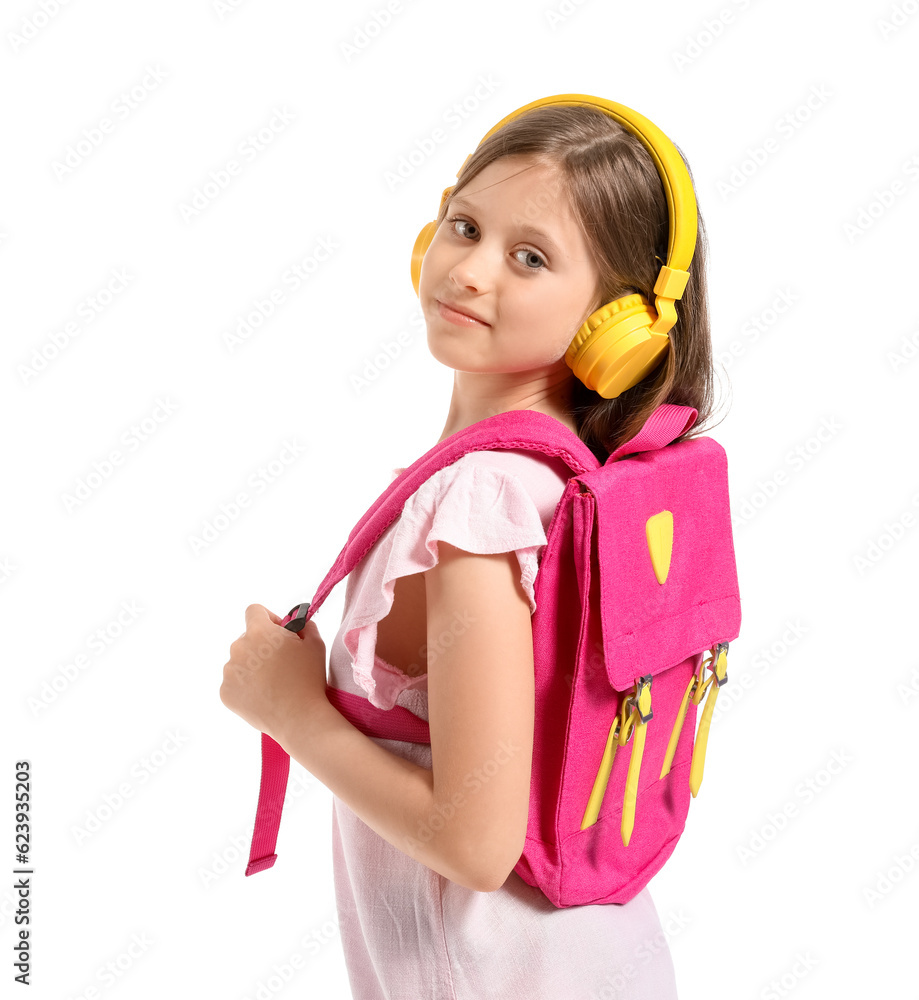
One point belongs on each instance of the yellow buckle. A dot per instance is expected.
(640, 703)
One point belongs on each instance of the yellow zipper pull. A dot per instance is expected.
(606, 765)
(678, 725)
(620, 732)
(719, 666)
(641, 707)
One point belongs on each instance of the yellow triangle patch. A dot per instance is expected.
(659, 530)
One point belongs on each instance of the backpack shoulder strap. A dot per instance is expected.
(515, 429)
(665, 424)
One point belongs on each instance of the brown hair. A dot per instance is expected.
(618, 198)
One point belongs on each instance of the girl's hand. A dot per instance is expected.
(275, 678)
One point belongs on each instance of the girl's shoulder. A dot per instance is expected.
(542, 476)
(492, 482)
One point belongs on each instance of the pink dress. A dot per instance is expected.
(407, 932)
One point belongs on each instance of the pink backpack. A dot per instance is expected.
(636, 583)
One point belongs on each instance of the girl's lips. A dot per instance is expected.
(461, 319)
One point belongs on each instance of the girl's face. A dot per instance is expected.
(510, 252)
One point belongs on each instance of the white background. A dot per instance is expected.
(813, 205)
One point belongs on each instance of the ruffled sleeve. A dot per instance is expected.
(474, 506)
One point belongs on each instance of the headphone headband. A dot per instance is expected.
(681, 199)
(624, 340)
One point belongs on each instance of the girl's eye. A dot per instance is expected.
(531, 255)
(463, 221)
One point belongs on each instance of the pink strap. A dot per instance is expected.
(667, 422)
(513, 429)
(275, 768)
(396, 723)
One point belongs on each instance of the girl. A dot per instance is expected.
(559, 211)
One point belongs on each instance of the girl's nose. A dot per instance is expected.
(473, 268)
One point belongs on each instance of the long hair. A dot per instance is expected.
(618, 198)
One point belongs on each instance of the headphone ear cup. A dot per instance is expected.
(615, 347)
(422, 242)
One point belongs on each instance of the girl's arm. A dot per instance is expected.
(481, 693)
(467, 817)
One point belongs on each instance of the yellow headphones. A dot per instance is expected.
(624, 340)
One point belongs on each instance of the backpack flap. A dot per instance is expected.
(668, 586)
